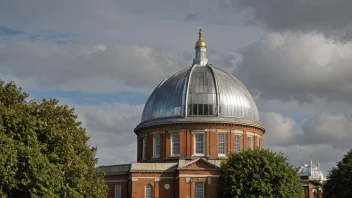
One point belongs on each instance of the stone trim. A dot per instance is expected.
(110, 181)
(186, 175)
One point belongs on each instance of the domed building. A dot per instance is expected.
(191, 122)
(312, 179)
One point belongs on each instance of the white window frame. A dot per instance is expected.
(195, 190)
(251, 145)
(172, 145)
(151, 191)
(117, 191)
(155, 154)
(222, 154)
(240, 143)
(195, 145)
(315, 193)
(144, 147)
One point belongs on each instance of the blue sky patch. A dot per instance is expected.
(92, 98)
(56, 37)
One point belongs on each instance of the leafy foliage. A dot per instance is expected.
(43, 149)
(339, 180)
(258, 174)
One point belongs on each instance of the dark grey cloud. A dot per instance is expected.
(191, 17)
(333, 18)
(299, 67)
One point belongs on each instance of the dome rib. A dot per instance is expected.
(187, 90)
(216, 89)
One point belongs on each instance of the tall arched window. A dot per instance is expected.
(148, 191)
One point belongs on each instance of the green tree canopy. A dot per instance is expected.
(43, 150)
(339, 180)
(258, 174)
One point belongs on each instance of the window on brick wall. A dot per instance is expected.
(156, 146)
(148, 191)
(198, 190)
(175, 144)
(315, 193)
(249, 142)
(237, 143)
(199, 143)
(144, 148)
(117, 191)
(221, 144)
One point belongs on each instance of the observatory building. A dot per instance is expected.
(191, 122)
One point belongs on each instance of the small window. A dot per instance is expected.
(206, 110)
(199, 190)
(117, 191)
(195, 112)
(148, 191)
(156, 146)
(144, 148)
(211, 110)
(200, 109)
(249, 143)
(199, 143)
(175, 145)
(221, 144)
(237, 143)
(315, 193)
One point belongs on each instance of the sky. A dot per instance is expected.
(105, 57)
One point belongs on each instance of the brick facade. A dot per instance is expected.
(176, 176)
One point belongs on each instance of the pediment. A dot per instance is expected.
(199, 164)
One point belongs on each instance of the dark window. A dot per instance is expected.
(200, 109)
(206, 112)
(211, 112)
(195, 109)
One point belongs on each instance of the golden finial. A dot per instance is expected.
(200, 42)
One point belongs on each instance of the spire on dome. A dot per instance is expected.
(200, 42)
(201, 49)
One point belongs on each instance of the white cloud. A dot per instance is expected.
(324, 154)
(86, 67)
(334, 130)
(299, 67)
(279, 129)
(110, 128)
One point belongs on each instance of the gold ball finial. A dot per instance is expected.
(200, 42)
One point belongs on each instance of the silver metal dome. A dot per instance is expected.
(200, 92)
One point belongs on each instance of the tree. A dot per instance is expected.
(258, 174)
(43, 150)
(339, 180)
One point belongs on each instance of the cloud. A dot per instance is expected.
(329, 17)
(279, 129)
(86, 67)
(110, 128)
(325, 137)
(191, 17)
(328, 129)
(299, 67)
(324, 154)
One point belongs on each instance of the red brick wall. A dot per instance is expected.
(187, 144)
(213, 144)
